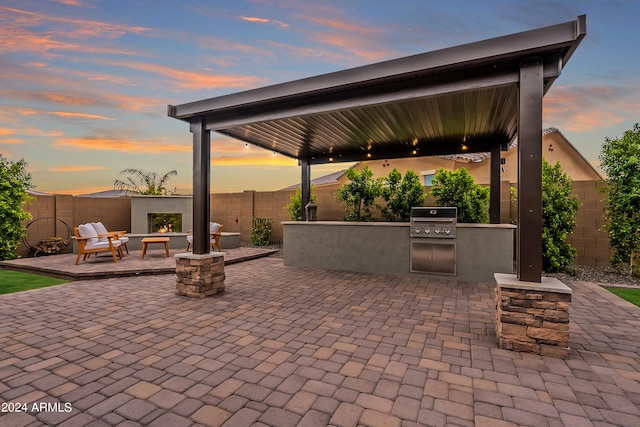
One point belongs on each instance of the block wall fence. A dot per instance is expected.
(236, 210)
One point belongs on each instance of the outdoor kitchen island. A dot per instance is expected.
(385, 247)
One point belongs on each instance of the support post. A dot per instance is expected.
(201, 185)
(494, 198)
(305, 186)
(529, 241)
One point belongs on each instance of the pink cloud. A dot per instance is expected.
(265, 21)
(119, 145)
(581, 109)
(338, 38)
(329, 27)
(77, 3)
(29, 131)
(22, 40)
(67, 27)
(113, 100)
(66, 114)
(76, 168)
(194, 80)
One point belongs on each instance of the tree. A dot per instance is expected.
(401, 193)
(457, 188)
(620, 160)
(295, 204)
(359, 194)
(143, 182)
(559, 207)
(15, 181)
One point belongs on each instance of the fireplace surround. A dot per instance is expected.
(144, 207)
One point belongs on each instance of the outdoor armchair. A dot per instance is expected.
(119, 235)
(215, 231)
(89, 242)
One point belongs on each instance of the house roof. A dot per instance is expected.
(328, 179)
(107, 193)
(457, 100)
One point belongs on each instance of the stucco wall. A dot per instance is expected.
(236, 210)
(591, 243)
(385, 247)
(142, 206)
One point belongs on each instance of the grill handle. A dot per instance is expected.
(422, 219)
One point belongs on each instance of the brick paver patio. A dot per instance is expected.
(285, 346)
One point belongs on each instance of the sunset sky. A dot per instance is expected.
(84, 84)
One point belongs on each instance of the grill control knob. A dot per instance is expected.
(417, 230)
(426, 231)
(437, 231)
(447, 231)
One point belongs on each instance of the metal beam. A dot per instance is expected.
(494, 198)
(201, 185)
(305, 186)
(529, 241)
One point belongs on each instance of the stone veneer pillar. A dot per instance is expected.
(533, 317)
(199, 275)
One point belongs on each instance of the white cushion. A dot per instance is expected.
(214, 227)
(190, 239)
(87, 230)
(100, 229)
(101, 245)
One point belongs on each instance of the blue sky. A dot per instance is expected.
(85, 83)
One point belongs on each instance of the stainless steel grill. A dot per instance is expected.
(438, 223)
(433, 233)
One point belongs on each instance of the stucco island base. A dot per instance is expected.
(199, 275)
(533, 317)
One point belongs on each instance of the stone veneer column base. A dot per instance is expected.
(199, 275)
(533, 317)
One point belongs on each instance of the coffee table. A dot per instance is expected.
(148, 240)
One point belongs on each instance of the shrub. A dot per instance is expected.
(295, 204)
(401, 193)
(359, 194)
(261, 231)
(559, 207)
(14, 183)
(457, 188)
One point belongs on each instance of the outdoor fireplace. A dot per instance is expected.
(164, 223)
(153, 214)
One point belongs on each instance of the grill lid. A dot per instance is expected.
(434, 213)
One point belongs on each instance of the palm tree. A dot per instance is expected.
(143, 182)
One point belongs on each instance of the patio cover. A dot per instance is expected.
(475, 97)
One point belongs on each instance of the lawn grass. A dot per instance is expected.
(631, 295)
(14, 281)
